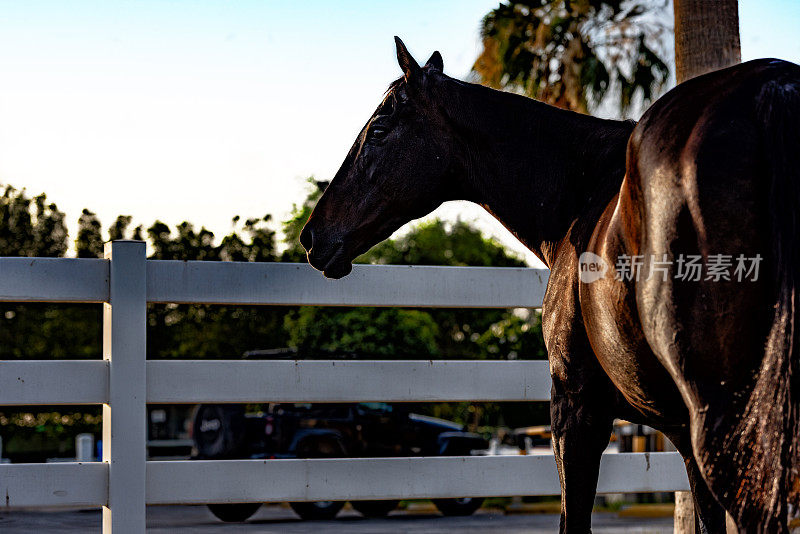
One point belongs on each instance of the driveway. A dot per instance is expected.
(278, 519)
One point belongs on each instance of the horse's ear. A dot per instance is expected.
(407, 63)
(435, 62)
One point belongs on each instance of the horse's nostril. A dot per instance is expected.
(307, 238)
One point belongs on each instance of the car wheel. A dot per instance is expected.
(234, 513)
(219, 431)
(319, 447)
(318, 510)
(456, 507)
(374, 508)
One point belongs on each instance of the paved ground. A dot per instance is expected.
(281, 520)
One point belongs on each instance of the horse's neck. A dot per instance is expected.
(537, 168)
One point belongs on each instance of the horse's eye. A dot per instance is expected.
(378, 132)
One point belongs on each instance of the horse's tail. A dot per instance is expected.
(772, 412)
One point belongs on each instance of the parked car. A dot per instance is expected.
(534, 439)
(366, 430)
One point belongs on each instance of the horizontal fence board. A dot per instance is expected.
(642, 472)
(199, 482)
(53, 280)
(86, 280)
(225, 381)
(227, 481)
(32, 382)
(57, 484)
(368, 285)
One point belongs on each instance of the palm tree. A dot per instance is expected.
(706, 36)
(572, 53)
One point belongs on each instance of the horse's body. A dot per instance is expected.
(709, 172)
(711, 169)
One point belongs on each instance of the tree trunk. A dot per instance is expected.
(706, 36)
(684, 513)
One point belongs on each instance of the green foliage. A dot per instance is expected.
(294, 225)
(456, 244)
(188, 244)
(30, 227)
(50, 331)
(571, 53)
(516, 335)
(219, 332)
(259, 246)
(34, 227)
(89, 243)
(372, 332)
(201, 331)
(118, 229)
(441, 243)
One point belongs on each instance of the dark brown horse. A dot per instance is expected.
(709, 180)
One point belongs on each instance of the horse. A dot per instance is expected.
(708, 178)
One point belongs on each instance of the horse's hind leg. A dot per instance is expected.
(709, 515)
(582, 421)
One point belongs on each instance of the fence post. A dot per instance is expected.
(124, 417)
(84, 447)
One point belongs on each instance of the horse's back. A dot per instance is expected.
(701, 182)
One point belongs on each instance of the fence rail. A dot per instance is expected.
(53, 382)
(346, 381)
(228, 481)
(53, 280)
(123, 382)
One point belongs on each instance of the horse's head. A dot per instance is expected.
(397, 170)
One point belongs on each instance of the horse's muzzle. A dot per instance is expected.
(329, 257)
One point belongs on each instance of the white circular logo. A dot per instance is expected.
(592, 267)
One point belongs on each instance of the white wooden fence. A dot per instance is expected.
(123, 382)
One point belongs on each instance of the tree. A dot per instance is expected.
(261, 244)
(34, 227)
(89, 243)
(442, 243)
(706, 36)
(455, 244)
(368, 332)
(30, 227)
(119, 229)
(205, 331)
(571, 53)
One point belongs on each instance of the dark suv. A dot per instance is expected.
(365, 430)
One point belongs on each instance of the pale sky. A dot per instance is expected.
(203, 110)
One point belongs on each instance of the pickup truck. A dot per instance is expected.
(365, 430)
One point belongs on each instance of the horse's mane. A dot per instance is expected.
(394, 85)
